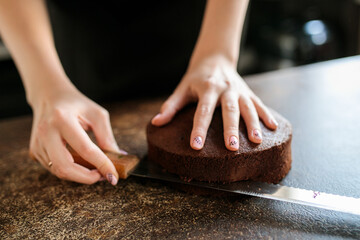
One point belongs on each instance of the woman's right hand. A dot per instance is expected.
(61, 112)
(62, 116)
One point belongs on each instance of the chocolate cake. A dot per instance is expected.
(269, 161)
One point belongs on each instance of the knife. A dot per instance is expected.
(131, 165)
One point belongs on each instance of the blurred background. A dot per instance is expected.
(277, 34)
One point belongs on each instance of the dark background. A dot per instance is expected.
(119, 50)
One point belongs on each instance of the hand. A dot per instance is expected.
(211, 82)
(61, 117)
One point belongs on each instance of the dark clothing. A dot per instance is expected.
(113, 49)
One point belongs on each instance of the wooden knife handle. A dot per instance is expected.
(124, 164)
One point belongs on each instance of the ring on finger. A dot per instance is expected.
(50, 164)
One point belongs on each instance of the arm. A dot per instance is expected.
(211, 77)
(221, 31)
(25, 28)
(61, 112)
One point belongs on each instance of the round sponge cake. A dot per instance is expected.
(269, 161)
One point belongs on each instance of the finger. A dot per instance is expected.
(46, 160)
(38, 153)
(231, 116)
(251, 119)
(100, 124)
(202, 119)
(77, 138)
(170, 107)
(32, 156)
(63, 164)
(40, 157)
(264, 113)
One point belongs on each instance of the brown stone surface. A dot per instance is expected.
(319, 100)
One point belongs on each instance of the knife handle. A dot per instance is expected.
(124, 164)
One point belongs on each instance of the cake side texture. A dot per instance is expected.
(269, 161)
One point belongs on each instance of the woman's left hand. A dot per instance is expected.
(211, 82)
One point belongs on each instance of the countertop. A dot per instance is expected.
(322, 101)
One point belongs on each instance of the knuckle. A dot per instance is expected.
(102, 166)
(167, 105)
(104, 113)
(61, 172)
(86, 149)
(257, 101)
(60, 114)
(204, 110)
(247, 106)
(198, 131)
(228, 83)
(231, 130)
(231, 107)
(211, 83)
(255, 98)
(254, 124)
(58, 117)
(171, 105)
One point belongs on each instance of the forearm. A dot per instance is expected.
(25, 29)
(221, 30)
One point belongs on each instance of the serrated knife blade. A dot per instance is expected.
(148, 169)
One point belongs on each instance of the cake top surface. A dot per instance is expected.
(175, 136)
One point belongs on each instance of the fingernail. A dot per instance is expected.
(117, 149)
(274, 122)
(156, 117)
(197, 143)
(257, 134)
(111, 178)
(233, 142)
(123, 152)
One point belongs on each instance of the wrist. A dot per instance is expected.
(211, 60)
(44, 88)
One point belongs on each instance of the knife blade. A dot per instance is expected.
(148, 169)
(131, 165)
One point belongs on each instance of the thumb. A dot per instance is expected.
(101, 126)
(169, 108)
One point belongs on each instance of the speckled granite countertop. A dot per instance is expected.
(318, 99)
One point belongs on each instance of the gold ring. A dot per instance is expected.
(50, 164)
